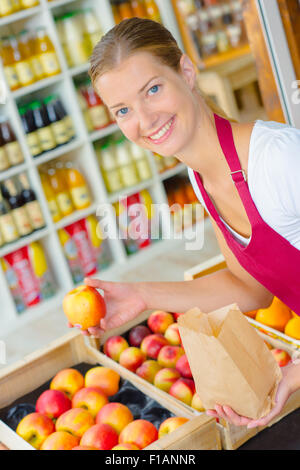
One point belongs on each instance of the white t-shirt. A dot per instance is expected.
(273, 178)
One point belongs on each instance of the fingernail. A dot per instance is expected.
(78, 326)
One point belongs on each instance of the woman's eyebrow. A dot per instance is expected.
(140, 91)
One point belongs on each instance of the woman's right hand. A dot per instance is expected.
(123, 303)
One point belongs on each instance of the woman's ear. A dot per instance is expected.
(188, 70)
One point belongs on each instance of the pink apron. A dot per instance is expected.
(269, 257)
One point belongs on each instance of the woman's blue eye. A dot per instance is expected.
(154, 89)
(122, 111)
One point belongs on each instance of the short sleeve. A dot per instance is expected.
(283, 151)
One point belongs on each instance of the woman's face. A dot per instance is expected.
(153, 105)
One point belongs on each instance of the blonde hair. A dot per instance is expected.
(137, 35)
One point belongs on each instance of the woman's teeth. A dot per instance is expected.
(162, 132)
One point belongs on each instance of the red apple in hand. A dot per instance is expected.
(53, 403)
(84, 307)
(137, 334)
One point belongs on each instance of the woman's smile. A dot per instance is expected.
(163, 132)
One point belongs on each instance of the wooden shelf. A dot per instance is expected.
(232, 54)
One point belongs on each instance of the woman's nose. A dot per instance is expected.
(148, 121)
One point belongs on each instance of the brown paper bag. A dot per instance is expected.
(230, 363)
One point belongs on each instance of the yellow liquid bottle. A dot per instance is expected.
(9, 62)
(22, 64)
(63, 197)
(35, 59)
(27, 49)
(6, 7)
(51, 198)
(29, 3)
(78, 188)
(46, 53)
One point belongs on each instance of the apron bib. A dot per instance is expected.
(269, 257)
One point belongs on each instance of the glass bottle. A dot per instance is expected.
(29, 3)
(8, 227)
(6, 7)
(51, 198)
(46, 53)
(73, 45)
(125, 163)
(62, 194)
(58, 124)
(32, 204)
(9, 64)
(63, 115)
(142, 164)
(78, 187)
(138, 8)
(152, 10)
(109, 167)
(125, 10)
(11, 145)
(92, 29)
(4, 162)
(42, 124)
(30, 130)
(22, 64)
(97, 110)
(35, 58)
(17, 207)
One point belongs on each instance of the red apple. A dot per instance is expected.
(165, 378)
(159, 321)
(148, 370)
(84, 307)
(172, 335)
(90, 398)
(152, 344)
(281, 356)
(170, 424)
(104, 378)
(68, 381)
(137, 334)
(116, 415)
(52, 403)
(169, 355)
(60, 440)
(114, 346)
(183, 390)
(139, 432)
(75, 421)
(131, 358)
(176, 315)
(183, 367)
(102, 436)
(35, 428)
(126, 446)
(197, 403)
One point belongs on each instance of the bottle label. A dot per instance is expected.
(33, 144)
(143, 169)
(24, 73)
(128, 175)
(6, 7)
(46, 138)
(14, 153)
(64, 203)
(54, 210)
(69, 125)
(113, 181)
(22, 221)
(37, 67)
(49, 63)
(80, 197)
(35, 213)
(4, 164)
(8, 228)
(99, 116)
(11, 77)
(60, 132)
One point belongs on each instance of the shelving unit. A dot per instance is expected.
(80, 149)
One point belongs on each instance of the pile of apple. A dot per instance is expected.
(155, 353)
(281, 356)
(75, 414)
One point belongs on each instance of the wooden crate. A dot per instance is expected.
(34, 370)
(234, 436)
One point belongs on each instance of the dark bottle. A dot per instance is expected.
(32, 204)
(58, 123)
(17, 207)
(7, 224)
(62, 113)
(30, 130)
(11, 145)
(42, 124)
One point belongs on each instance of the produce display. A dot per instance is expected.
(279, 317)
(84, 407)
(155, 353)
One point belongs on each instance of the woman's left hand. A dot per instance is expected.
(283, 392)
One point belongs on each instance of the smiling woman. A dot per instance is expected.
(247, 176)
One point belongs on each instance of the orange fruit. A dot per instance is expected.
(276, 316)
(251, 313)
(292, 328)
